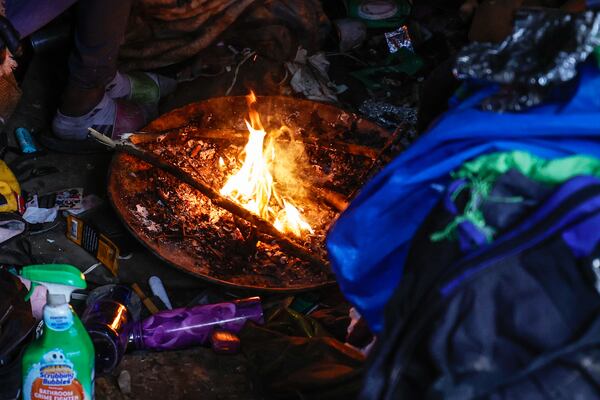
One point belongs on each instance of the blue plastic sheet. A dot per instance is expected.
(369, 242)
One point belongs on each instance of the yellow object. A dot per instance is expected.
(93, 241)
(147, 302)
(9, 189)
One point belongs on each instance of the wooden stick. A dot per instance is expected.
(233, 135)
(261, 225)
(147, 302)
(334, 199)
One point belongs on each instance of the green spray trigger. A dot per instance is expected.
(57, 278)
(31, 290)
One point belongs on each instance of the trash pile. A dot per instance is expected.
(467, 266)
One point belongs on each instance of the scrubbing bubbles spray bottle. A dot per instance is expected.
(60, 363)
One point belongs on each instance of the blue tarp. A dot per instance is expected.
(369, 242)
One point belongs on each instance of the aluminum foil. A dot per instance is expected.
(399, 39)
(543, 51)
(388, 115)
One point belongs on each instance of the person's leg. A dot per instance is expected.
(96, 95)
(99, 32)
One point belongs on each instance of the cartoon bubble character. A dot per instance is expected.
(54, 357)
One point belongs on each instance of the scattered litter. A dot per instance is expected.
(90, 201)
(25, 140)
(68, 198)
(387, 114)
(533, 60)
(351, 32)
(379, 13)
(109, 311)
(10, 228)
(158, 289)
(65, 199)
(309, 76)
(193, 326)
(91, 268)
(150, 306)
(399, 39)
(247, 54)
(93, 241)
(402, 63)
(124, 381)
(35, 215)
(142, 211)
(50, 240)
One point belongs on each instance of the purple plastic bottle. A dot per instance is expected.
(185, 327)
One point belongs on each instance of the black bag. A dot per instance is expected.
(515, 319)
(16, 328)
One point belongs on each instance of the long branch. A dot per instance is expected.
(221, 201)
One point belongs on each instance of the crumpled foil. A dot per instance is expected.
(543, 51)
(399, 39)
(388, 115)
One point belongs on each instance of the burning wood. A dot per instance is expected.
(253, 187)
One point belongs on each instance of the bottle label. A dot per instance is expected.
(59, 321)
(53, 378)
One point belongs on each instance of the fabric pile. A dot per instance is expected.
(167, 32)
(475, 255)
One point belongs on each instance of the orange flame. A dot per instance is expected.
(252, 186)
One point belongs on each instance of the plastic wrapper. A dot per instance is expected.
(543, 51)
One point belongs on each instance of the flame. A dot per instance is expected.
(252, 186)
(289, 219)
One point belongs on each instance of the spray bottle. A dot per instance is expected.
(60, 363)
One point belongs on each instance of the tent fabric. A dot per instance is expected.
(369, 242)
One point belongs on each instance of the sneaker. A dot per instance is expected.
(140, 87)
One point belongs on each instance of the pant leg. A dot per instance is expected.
(99, 33)
(27, 16)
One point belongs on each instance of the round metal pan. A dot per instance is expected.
(324, 120)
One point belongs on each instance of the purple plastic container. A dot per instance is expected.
(193, 326)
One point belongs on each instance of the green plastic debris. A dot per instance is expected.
(404, 61)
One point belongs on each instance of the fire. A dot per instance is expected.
(252, 186)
